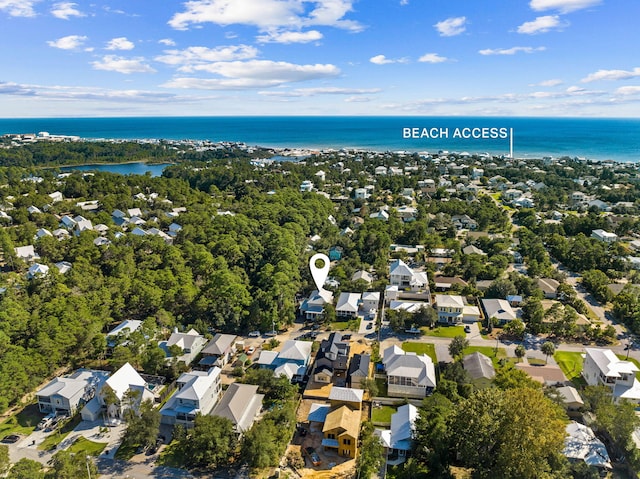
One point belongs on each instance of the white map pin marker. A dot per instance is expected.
(319, 275)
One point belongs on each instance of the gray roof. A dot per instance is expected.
(478, 366)
(296, 350)
(240, 404)
(359, 365)
(219, 344)
(498, 308)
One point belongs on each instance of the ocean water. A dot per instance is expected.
(136, 168)
(596, 139)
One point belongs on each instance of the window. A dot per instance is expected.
(346, 442)
(331, 436)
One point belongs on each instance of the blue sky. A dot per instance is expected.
(320, 57)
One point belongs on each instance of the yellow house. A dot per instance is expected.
(341, 430)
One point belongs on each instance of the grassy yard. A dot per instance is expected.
(421, 348)
(571, 365)
(444, 331)
(23, 422)
(489, 352)
(86, 447)
(382, 387)
(126, 451)
(352, 325)
(382, 414)
(56, 437)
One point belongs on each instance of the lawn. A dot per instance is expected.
(126, 451)
(489, 352)
(382, 387)
(23, 422)
(86, 447)
(382, 415)
(421, 348)
(571, 365)
(352, 325)
(57, 436)
(444, 331)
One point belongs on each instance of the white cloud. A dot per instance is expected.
(548, 83)
(19, 8)
(612, 75)
(120, 43)
(404, 2)
(510, 51)
(84, 93)
(70, 42)
(65, 10)
(563, 6)
(306, 92)
(541, 25)
(122, 65)
(290, 37)
(382, 60)
(190, 57)
(432, 58)
(266, 14)
(451, 26)
(628, 90)
(358, 99)
(167, 41)
(253, 74)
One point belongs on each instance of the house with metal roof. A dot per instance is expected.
(197, 393)
(500, 309)
(603, 367)
(581, 444)
(241, 404)
(219, 350)
(408, 374)
(397, 441)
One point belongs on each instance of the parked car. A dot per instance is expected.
(46, 421)
(251, 350)
(346, 337)
(312, 455)
(11, 439)
(467, 328)
(254, 334)
(369, 325)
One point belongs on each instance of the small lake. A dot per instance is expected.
(139, 168)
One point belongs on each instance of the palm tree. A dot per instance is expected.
(548, 348)
(520, 351)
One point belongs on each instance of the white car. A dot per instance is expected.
(251, 350)
(254, 334)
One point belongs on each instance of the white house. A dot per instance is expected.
(26, 253)
(121, 331)
(198, 392)
(191, 343)
(581, 444)
(370, 300)
(397, 441)
(404, 277)
(65, 395)
(604, 236)
(408, 374)
(603, 367)
(128, 387)
(348, 305)
(499, 309)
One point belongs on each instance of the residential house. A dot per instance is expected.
(341, 430)
(348, 305)
(56, 196)
(291, 361)
(37, 270)
(464, 222)
(218, 351)
(360, 194)
(444, 283)
(479, 368)
(514, 300)
(473, 249)
(362, 275)
(603, 367)
(604, 236)
(312, 308)
(129, 391)
(571, 400)
(408, 374)
(66, 394)
(452, 309)
(306, 186)
(549, 287)
(122, 331)
(358, 370)
(380, 170)
(380, 215)
(370, 301)
(500, 309)
(581, 444)
(191, 343)
(335, 253)
(333, 354)
(26, 253)
(407, 213)
(404, 277)
(241, 404)
(341, 396)
(197, 393)
(398, 440)
(41, 233)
